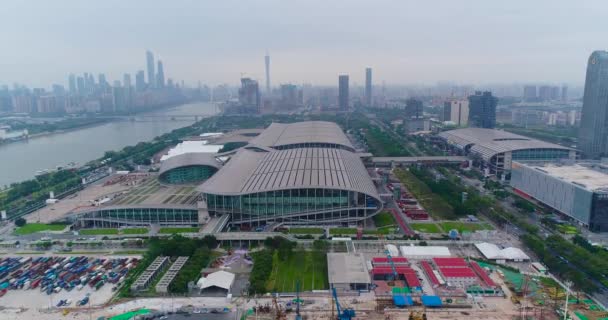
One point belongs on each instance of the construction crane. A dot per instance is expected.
(392, 264)
(278, 313)
(298, 316)
(346, 314)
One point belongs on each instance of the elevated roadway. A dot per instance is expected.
(388, 161)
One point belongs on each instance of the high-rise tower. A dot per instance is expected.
(160, 75)
(267, 61)
(368, 87)
(151, 74)
(482, 110)
(343, 92)
(593, 132)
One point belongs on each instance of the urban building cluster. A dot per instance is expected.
(88, 93)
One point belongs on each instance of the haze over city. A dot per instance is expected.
(406, 42)
(319, 160)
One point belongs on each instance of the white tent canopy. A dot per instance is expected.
(493, 252)
(220, 279)
(424, 252)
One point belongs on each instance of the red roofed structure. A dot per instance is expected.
(482, 274)
(453, 272)
(429, 273)
(450, 262)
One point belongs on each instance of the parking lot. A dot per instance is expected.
(43, 282)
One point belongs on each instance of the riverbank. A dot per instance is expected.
(88, 122)
(22, 160)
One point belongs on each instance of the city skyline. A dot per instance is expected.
(427, 57)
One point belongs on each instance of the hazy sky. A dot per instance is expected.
(310, 41)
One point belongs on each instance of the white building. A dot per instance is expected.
(424, 252)
(492, 252)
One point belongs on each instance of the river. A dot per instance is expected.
(21, 160)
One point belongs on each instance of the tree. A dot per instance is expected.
(20, 222)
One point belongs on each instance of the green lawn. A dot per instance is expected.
(135, 231)
(306, 230)
(94, 232)
(426, 227)
(307, 266)
(38, 227)
(464, 226)
(432, 202)
(383, 230)
(384, 219)
(343, 231)
(172, 230)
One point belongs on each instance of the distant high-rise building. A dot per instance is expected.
(102, 81)
(140, 82)
(482, 110)
(289, 95)
(267, 62)
(72, 83)
(368, 87)
(544, 93)
(58, 89)
(249, 93)
(126, 80)
(456, 111)
(80, 85)
(593, 131)
(160, 75)
(343, 95)
(564, 95)
(530, 93)
(413, 108)
(150, 65)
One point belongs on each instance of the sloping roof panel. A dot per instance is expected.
(489, 142)
(283, 134)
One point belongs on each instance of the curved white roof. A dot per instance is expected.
(251, 171)
(189, 159)
(492, 251)
(221, 279)
(490, 142)
(282, 134)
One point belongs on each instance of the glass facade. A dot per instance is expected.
(294, 205)
(540, 154)
(117, 217)
(313, 145)
(188, 174)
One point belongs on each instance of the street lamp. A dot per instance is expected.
(568, 284)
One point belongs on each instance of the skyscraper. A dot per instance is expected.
(80, 85)
(140, 82)
(72, 82)
(368, 87)
(249, 94)
(456, 111)
(482, 110)
(593, 132)
(564, 93)
(267, 61)
(413, 108)
(102, 81)
(126, 80)
(343, 92)
(529, 93)
(151, 74)
(160, 75)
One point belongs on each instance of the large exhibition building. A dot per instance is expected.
(497, 149)
(299, 173)
(577, 190)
